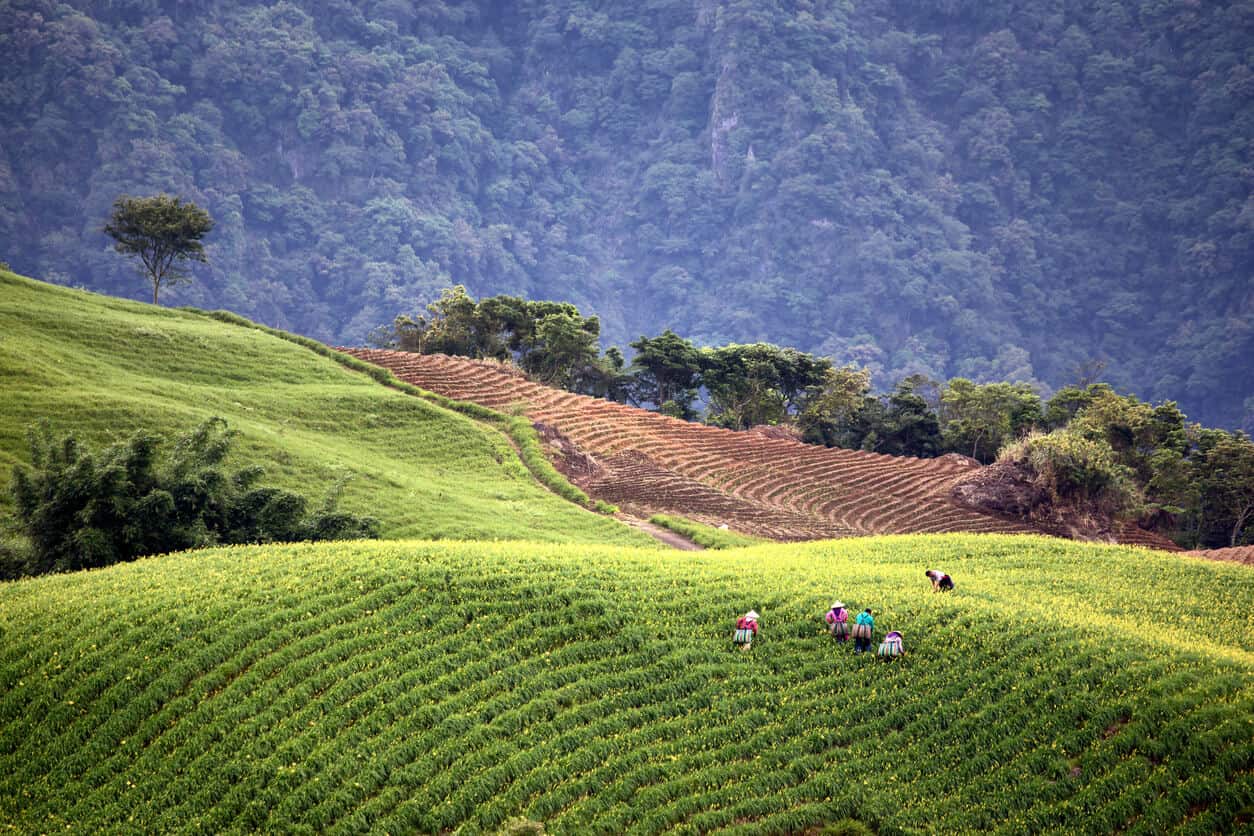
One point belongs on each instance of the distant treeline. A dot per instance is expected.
(1135, 458)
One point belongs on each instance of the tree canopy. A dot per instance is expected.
(85, 509)
(163, 232)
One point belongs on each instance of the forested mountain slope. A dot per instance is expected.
(1000, 190)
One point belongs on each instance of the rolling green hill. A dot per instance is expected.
(420, 687)
(103, 367)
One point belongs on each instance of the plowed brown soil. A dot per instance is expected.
(753, 482)
(1237, 554)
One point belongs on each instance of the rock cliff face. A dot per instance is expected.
(1008, 490)
(1001, 489)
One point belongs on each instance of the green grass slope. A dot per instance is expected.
(103, 367)
(419, 687)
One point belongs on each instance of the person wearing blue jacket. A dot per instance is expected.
(863, 629)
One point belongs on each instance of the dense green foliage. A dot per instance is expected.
(1106, 452)
(999, 190)
(1068, 468)
(417, 687)
(551, 341)
(83, 510)
(163, 232)
(103, 368)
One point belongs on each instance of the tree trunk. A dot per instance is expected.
(1240, 524)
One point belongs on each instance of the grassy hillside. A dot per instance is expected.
(412, 686)
(103, 367)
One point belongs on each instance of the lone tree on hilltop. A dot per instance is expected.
(163, 231)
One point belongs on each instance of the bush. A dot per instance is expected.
(1071, 469)
(13, 559)
(83, 510)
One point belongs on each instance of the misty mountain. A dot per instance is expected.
(1002, 190)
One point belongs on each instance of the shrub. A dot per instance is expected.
(1073, 469)
(83, 510)
(13, 559)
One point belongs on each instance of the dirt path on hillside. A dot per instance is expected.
(663, 535)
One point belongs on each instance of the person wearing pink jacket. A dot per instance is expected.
(746, 629)
(837, 619)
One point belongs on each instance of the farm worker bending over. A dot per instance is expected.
(838, 622)
(746, 629)
(891, 647)
(863, 628)
(940, 581)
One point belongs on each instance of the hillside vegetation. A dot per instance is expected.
(103, 368)
(770, 487)
(997, 190)
(412, 686)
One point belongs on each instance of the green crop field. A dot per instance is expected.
(420, 687)
(102, 367)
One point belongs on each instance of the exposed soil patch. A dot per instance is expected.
(961, 460)
(663, 535)
(1237, 554)
(1001, 489)
(1113, 729)
(570, 461)
(775, 431)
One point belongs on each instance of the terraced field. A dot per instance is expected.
(773, 488)
(407, 687)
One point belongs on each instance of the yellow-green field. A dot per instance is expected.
(102, 368)
(425, 687)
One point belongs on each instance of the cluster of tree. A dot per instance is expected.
(994, 191)
(1088, 441)
(1090, 444)
(551, 341)
(82, 510)
(743, 385)
(1126, 457)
